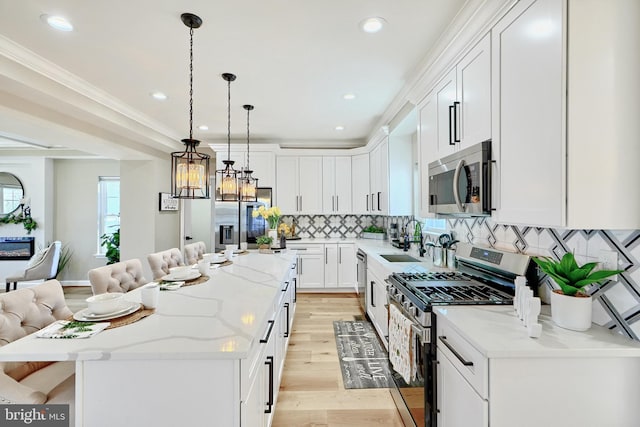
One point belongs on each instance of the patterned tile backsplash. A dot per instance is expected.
(617, 303)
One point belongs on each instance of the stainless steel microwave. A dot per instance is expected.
(460, 184)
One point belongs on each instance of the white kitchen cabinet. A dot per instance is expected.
(360, 193)
(299, 184)
(459, 405)
(336, 185)
(427, 152)
(379, 178)
(311, 264)
(563, 114)
(262, 164)
(490, 373)
(340, 265)
(377, 305)
(462, 102)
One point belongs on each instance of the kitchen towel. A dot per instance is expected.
(400, 349)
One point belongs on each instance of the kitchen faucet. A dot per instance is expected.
(407, 242)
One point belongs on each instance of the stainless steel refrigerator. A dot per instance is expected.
(227, 215)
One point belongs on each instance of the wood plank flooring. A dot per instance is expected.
(311, 392)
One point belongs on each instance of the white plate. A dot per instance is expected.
(171, 286)
(177, 277)
(219, 261)
(86, 316)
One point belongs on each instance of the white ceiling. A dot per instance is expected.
(294, 61)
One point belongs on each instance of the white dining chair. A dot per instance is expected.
(161, 262)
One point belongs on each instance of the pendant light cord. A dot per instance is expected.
(191, 84)
(229, 120)
(248, 168)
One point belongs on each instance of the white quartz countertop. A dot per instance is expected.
(218, 319)
(497, 333)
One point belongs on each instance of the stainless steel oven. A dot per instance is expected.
(460, 184)
(485, 276)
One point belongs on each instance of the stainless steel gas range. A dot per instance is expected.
(484, 277)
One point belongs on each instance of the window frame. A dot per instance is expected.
(103, 214)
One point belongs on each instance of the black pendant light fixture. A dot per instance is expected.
(248, 183)
(190, 169)
(227, 178)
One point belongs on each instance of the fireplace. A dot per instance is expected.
(16, 248)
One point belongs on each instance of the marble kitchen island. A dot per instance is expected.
(198, 360)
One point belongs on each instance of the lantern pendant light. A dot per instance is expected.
(227, 178)
(248, 183)
(190, 169)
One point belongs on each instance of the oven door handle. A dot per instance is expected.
(423, 334)
(456, 192)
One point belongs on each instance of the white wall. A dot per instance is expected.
(76, 212)
(35, 174)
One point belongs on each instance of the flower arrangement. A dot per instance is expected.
(272, 215)
(284, 228)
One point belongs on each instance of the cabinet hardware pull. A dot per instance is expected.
(286, 306)
(372, 202)
(269, 363)
(450, 133)
(367, 202)
(326, 256)
(337, 203)
(456, 137)
(339, 255)
(295, 289)
(373, 301)
(333, 203)
(379, 192)
(266, 339)
(300, 203)
(453, 350)
(286, 287)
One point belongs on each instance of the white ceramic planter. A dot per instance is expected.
(571, 312)
(273, 233)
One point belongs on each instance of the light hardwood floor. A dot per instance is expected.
(311, 392)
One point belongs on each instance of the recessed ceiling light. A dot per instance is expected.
(339, 127)
(373, 24)
(58, 22)
(203, 127)
(349, 96)
(159, 96)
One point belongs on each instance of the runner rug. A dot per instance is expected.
(363, 360)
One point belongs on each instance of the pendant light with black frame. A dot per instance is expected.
(247, 183)
(227, 178)
(189, 168)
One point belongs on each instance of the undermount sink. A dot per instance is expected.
(399, 258)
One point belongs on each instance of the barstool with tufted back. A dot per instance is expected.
(121, 276)
(161, 262)
(24, 312)
(193, 252)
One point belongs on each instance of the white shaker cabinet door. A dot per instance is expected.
(310, 176)
(529, 109)
(288, 197)
(458, 403)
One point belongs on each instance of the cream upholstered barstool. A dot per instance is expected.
(24, 312)
(121, 276)
(193, 252)
(161, 262)
(42, 266)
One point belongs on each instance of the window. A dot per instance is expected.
(108, 207)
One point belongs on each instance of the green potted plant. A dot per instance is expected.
(374, 232)
(264, 243)
(571, 305)
(112, 243)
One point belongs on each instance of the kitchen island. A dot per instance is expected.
(209, 355)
